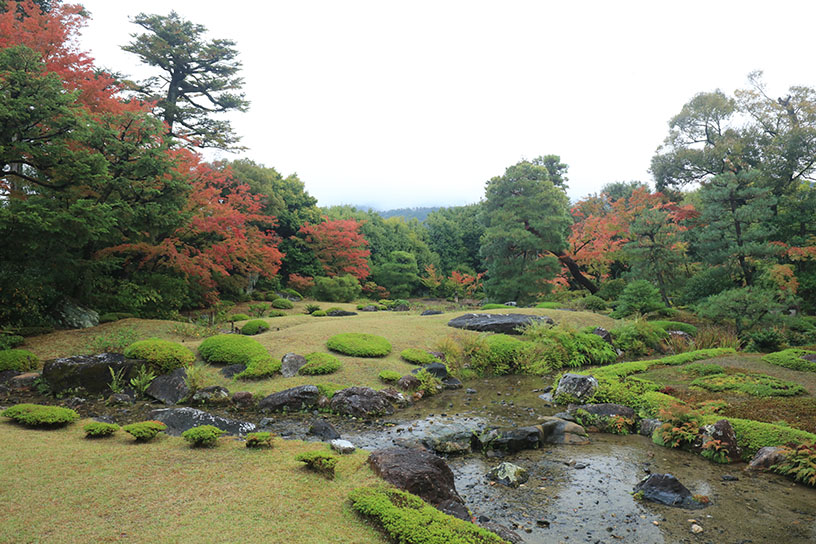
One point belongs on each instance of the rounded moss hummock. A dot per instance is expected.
(359, 344)
(320, 363)
(18, 359)
(37, 415)
(162, 355)
(418, 356)
(256, 326)
(230, 349)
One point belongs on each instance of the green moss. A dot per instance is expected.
(638, 337)
(319, 461)
(791, 358)
(752, 435)
(37, 415)
(144, 431)
(633, 367)
(496, 306)
(499, 355)
(256, 326)
(329, 389)
(238, 317)
(675, 326)
(18, 359)
(407, 519)
(418, 356)
(757, 385)
(282, 304)
(652, 402)
(260, 367)
(99, 429)
(549, 305)
(389, 376)
(203, 436)
(9, 341)
(320, 363)
(319, 313)
(230, 349)
(359, 344)
(702, 369)
(163, 356)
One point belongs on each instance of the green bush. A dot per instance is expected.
(639, 297)
(319, 461)
(312, 308)
(292, 293)
(428, 383)
(359, 344)
(418, 356)
(319, 313)
(37, 415)
(389, 376)
(259, 367)
(638, 337)
(259, 440)
(203, 436)
(144, 431)
(675, 326)
(560, 347)
(18, 359)
(163, 356)
(271, 296)
(407, 519)
(238, 317)
(702, 369)
(282, 304)
(788, 358)
(256, 326)
(765, 341)
(611, 289)
(500, 356)
(10, 341)
(757, 385)
(110, 317)
(320, 363)
(336, 289)
(230, 349)
(114, 342)
(593, 303)
(99, 429)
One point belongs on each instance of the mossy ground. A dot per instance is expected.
(116, 490)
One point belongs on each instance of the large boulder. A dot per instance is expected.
(605, 335)
(508, 440)
(766, 457)
(666, 489)
(502, 323)
(575, 387)
(508, 474)
(179, 420)
(169, 388)
(291, 363)
(296, 398)
(89, 372)
(73, 316)
(722, 432)
(419, 472)
(559, 431)
(361, 402)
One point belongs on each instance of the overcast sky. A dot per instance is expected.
(401, 104)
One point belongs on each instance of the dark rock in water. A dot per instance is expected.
(395, 397)
(242, 398)
(120, 398)
(576, 386)
(438, 370)
(503, 532)
(215, 394)
(724, 433)
(604, 334)
(169, 388)
(339, 313)
(179, 420)
(89, 372)
(447, 438)
(324, 430)
(666, 489)
(361, 402)
(6, 375)
(431, 312)
(415, 471)
(508, 474)
(559, 431)
(648, 426)
(455, 509)
(296, 398)
(408, 382)
(232, 370)
(369, 308)
(451, 383)
(291, 363)
(766, 457)
(502, 323)
(508, 440)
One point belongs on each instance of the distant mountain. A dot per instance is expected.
(410, 213)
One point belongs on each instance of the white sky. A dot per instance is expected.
(400, 104)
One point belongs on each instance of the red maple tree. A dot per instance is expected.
(339, 246)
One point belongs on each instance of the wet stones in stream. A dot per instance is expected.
(508, 474)
(576, 386)
(361, 402)
(169, 388)
(323, 430)
(419, 472)
(179, 420)
(666, 489)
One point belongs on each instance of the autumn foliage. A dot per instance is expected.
(339, 246)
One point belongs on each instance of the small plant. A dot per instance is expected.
(203, 436)
(311, 308)
(99, 429)
(638, 297)
(18, 359)
(197, 378)
(9, 341)
(144, 431)
(418, 356)
(619, 425)
(329, 389)
(113, 342)
(282, 304)
(259, 310)
(259, 440)
(319, 461)
(765, 341)
(716, 451)
(681, 427)
(163, 356)
(256, 326)
(701, 499)
(36, 415)
(428, 383)
(359, 344)
(320, 363)
(638, 337)
(799, 463)
(238, 317)
(389, 376)
(142, 380)
(117, 383)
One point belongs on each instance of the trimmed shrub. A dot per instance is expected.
(408, 519)
(757, 385)
(320, 363)
(238, 317)
(389, 376)
(260, 367)
(337, 289)
(163, 356)
(500, 356)
(144, 431)
(18, 359)
(282, 304)
(10, 341)
(593, 303)
(639, 297)
(271, 296)
(638, 337)
(289, 292)
(418, 356)
(765, 341)
(319, 461)
(203, 436)
(791, 358)
(230, 349)
(256, 326)
(259, 440)
(359, 344)
(37, 415)
(99, 429)
(276, 313)
(675, 326)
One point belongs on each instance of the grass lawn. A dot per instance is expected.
(59, 487)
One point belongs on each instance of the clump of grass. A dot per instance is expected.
(418, 356)
(113, 342)
(389, 376)
(259, 440)
(319, 461)
(144, 431)
(18, 359)
(203, 436)
(702, 369)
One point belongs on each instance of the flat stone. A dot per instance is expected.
(501, 323)
(24, 381)
(558, 431)
(415, 471)
(296, 398)
(431, 312)
(666, 489)
(324, 430)
(179, 420)
(342, 446)
(6, 375)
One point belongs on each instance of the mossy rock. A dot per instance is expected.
(163, 356)
(359, 344)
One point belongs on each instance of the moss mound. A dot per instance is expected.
(418, 356)
(757, 385)
(260, 367)
(230, 349)
(163, 356)
(320, 363)
(282, 304)
(256, 326)
(359, 344)
(36, 415)
(792, 358)
(18, 359)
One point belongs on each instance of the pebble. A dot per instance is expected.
(696, 529)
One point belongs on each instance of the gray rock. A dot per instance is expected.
(559, 431)
(324, 430)
(419, 472)
(449, 438)
(666, 489)
(369, 308)
(89, 372)
(508, 474)
(291, 363)
(342, 446)
(340, 313)
(502, 323)
(452, 383)
(724, 433)
(510, 440)
(395, 397)
(438, 370)
(400, 308)
(120, 399)
(766, 457)
(503, 532)
(23, 382)
(179, 420)
(455, 509)
(73, 316)
(470, 391)
(215, 394)
(510, 303)
(576, 386)
(6, 375)
(604, 410)
(361, 402)
(242, 398)
(408, 382)
(296, 398)
(232, 370)
(169, 388)
(604, 334)
(431, 312)
(648, 426)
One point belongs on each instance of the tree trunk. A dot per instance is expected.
(576, 273)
